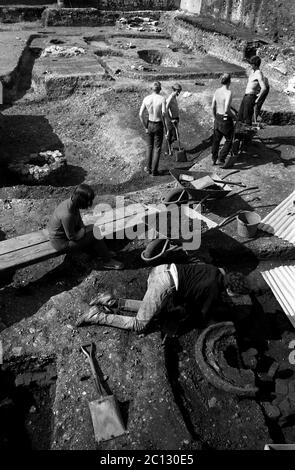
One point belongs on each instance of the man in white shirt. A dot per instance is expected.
(155, 105)
(255, 90)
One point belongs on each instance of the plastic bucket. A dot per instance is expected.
(247, 224)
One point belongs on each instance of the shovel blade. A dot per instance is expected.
(106, 418)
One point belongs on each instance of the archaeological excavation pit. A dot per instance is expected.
(26, 398)
(38, 168)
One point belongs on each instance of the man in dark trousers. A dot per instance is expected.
(198, 287)
(256, 92)
(223, 120)
(155, 105)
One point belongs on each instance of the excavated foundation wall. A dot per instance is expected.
(138, 4)
(270, 17)
(278, 60)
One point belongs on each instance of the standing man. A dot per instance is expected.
(155, 104)
(256, 91)
(223, 120)
(172, 116)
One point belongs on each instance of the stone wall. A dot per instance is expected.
(138, 4)
(272, 18)
(104, 4)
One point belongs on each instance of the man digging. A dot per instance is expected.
(155, 104)
(196, 286)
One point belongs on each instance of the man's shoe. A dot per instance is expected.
(103, 298)
(220, 162)
(155, 173)
(90, 317)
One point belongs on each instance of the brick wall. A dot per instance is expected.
(270, 17)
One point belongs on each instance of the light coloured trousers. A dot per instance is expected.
(159, 295)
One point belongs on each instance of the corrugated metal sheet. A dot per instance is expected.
(281, 280)
(279, 223)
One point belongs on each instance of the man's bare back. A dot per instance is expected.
(222, 100)
(155, 105)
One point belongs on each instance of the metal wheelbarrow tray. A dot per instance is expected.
(198, 194)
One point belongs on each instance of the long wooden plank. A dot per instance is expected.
(34, 238)
(27, 256)
(23, 241)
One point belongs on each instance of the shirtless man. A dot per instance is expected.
(256, 90)
(155, 104)
(223, 120)
(172, 116)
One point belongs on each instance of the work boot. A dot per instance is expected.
(90, 317)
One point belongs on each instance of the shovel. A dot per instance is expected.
(105, 413)
(180, 154)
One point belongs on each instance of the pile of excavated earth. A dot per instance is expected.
(72, 95)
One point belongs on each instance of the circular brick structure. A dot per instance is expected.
(212, 351)
(39, 167)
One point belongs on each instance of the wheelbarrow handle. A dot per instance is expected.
(242, 190)
(230, 173)
(87, 349)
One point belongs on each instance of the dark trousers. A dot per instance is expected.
(154, 144)
(258, 105)
(247, 109)
(222, 128)
(88, 243)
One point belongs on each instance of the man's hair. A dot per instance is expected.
(156, 86)
(177, 87)
(225, 79)
(83, 196)
(255, 60)
(236, 283)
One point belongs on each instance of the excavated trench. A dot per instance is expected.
(28, 385)
(27, 392)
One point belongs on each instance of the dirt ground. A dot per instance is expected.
(160, 387)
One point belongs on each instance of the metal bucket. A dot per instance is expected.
(247, 224)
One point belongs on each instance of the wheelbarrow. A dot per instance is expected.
(188, 180)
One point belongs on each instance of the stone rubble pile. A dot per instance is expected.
(62, 51)
(38, 167)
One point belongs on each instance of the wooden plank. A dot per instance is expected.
(30, 239)
(28, 255)
(34, 238)
(118, 214)
(23, 241)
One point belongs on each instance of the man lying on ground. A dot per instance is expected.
(67, 232)
(197, 286)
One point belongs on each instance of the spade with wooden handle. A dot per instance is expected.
(105, 412)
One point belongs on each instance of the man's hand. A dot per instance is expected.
(146, 130)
